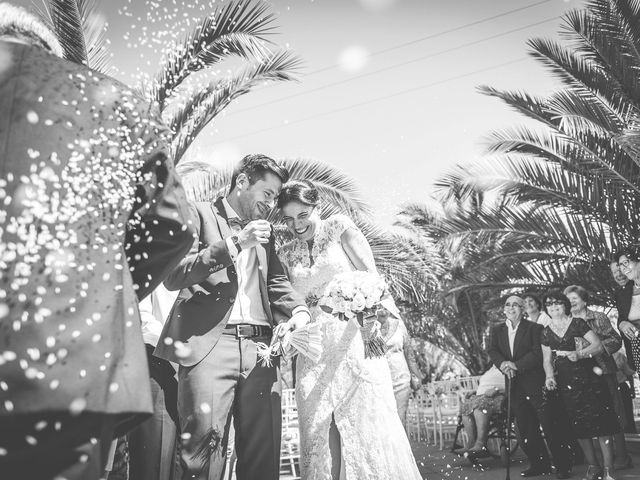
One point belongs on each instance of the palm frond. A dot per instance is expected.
(579, 73)
(529, 105)
(587, 150)
(336, 188)
(202, 182)
(65, 19)
(79, 29)
(578, 112)
(600, 38)
(237, 28)
(205, 105)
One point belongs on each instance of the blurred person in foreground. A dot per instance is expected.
(93, 218)
(514, 348)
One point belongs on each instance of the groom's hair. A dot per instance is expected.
(255, 167)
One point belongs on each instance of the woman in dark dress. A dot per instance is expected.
(583, 391)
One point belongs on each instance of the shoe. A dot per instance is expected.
(562, 475)
(626, 464)
(606, 474)
(535, 471)
(474, 454)
(593, 472)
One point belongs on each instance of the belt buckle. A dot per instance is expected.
(238, 334)
(253, 332)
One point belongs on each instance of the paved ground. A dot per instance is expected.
(435, 464)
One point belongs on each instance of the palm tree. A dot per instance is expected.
(79, 29)
(459, 320)
(565, 194)
(239, 28)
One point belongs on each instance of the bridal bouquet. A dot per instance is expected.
(361, 295)
(306, 340)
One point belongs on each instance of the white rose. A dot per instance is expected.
(358, 303)
(339, 305)
(371, 301)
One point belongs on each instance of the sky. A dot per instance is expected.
(388, 88)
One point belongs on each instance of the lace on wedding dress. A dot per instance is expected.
(356, 391)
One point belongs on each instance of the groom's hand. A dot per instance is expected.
(256, 232)
(298, 320)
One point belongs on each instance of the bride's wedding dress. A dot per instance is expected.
(355, 391)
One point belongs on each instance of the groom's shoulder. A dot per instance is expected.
(205, 208)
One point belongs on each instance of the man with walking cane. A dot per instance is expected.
(507, 426)
(515, 350)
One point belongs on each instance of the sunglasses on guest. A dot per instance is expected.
(550, 303)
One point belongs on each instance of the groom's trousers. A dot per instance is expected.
(228, 383)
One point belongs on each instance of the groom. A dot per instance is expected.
(233, 291)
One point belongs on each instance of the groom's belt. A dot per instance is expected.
(247, 330)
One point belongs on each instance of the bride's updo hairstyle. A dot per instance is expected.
(301, 191)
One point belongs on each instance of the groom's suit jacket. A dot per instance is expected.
(208, 285)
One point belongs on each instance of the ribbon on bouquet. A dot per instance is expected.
(306, 340)
(374, 344)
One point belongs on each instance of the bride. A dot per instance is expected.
(349, 425)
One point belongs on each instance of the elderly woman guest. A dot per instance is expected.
(405, 374)
(611, 343)
(534, 310)
(477, 409)
(584, 392)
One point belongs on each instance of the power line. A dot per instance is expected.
(432, 36)
(391, 67)
(379, 99)
(441, 33)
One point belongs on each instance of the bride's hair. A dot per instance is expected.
(302, 191)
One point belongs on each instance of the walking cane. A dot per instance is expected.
(508, 427)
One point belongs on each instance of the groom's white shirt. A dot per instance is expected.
(247, 307)
(154, 311)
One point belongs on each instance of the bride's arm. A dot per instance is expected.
(358, 250)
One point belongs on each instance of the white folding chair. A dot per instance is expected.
(427, 416)
(290, 443)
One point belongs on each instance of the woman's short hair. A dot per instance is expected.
(535, 298)
(581, 291)
(556, 295)
(18, 23)
(632, 252)
(301, 191)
